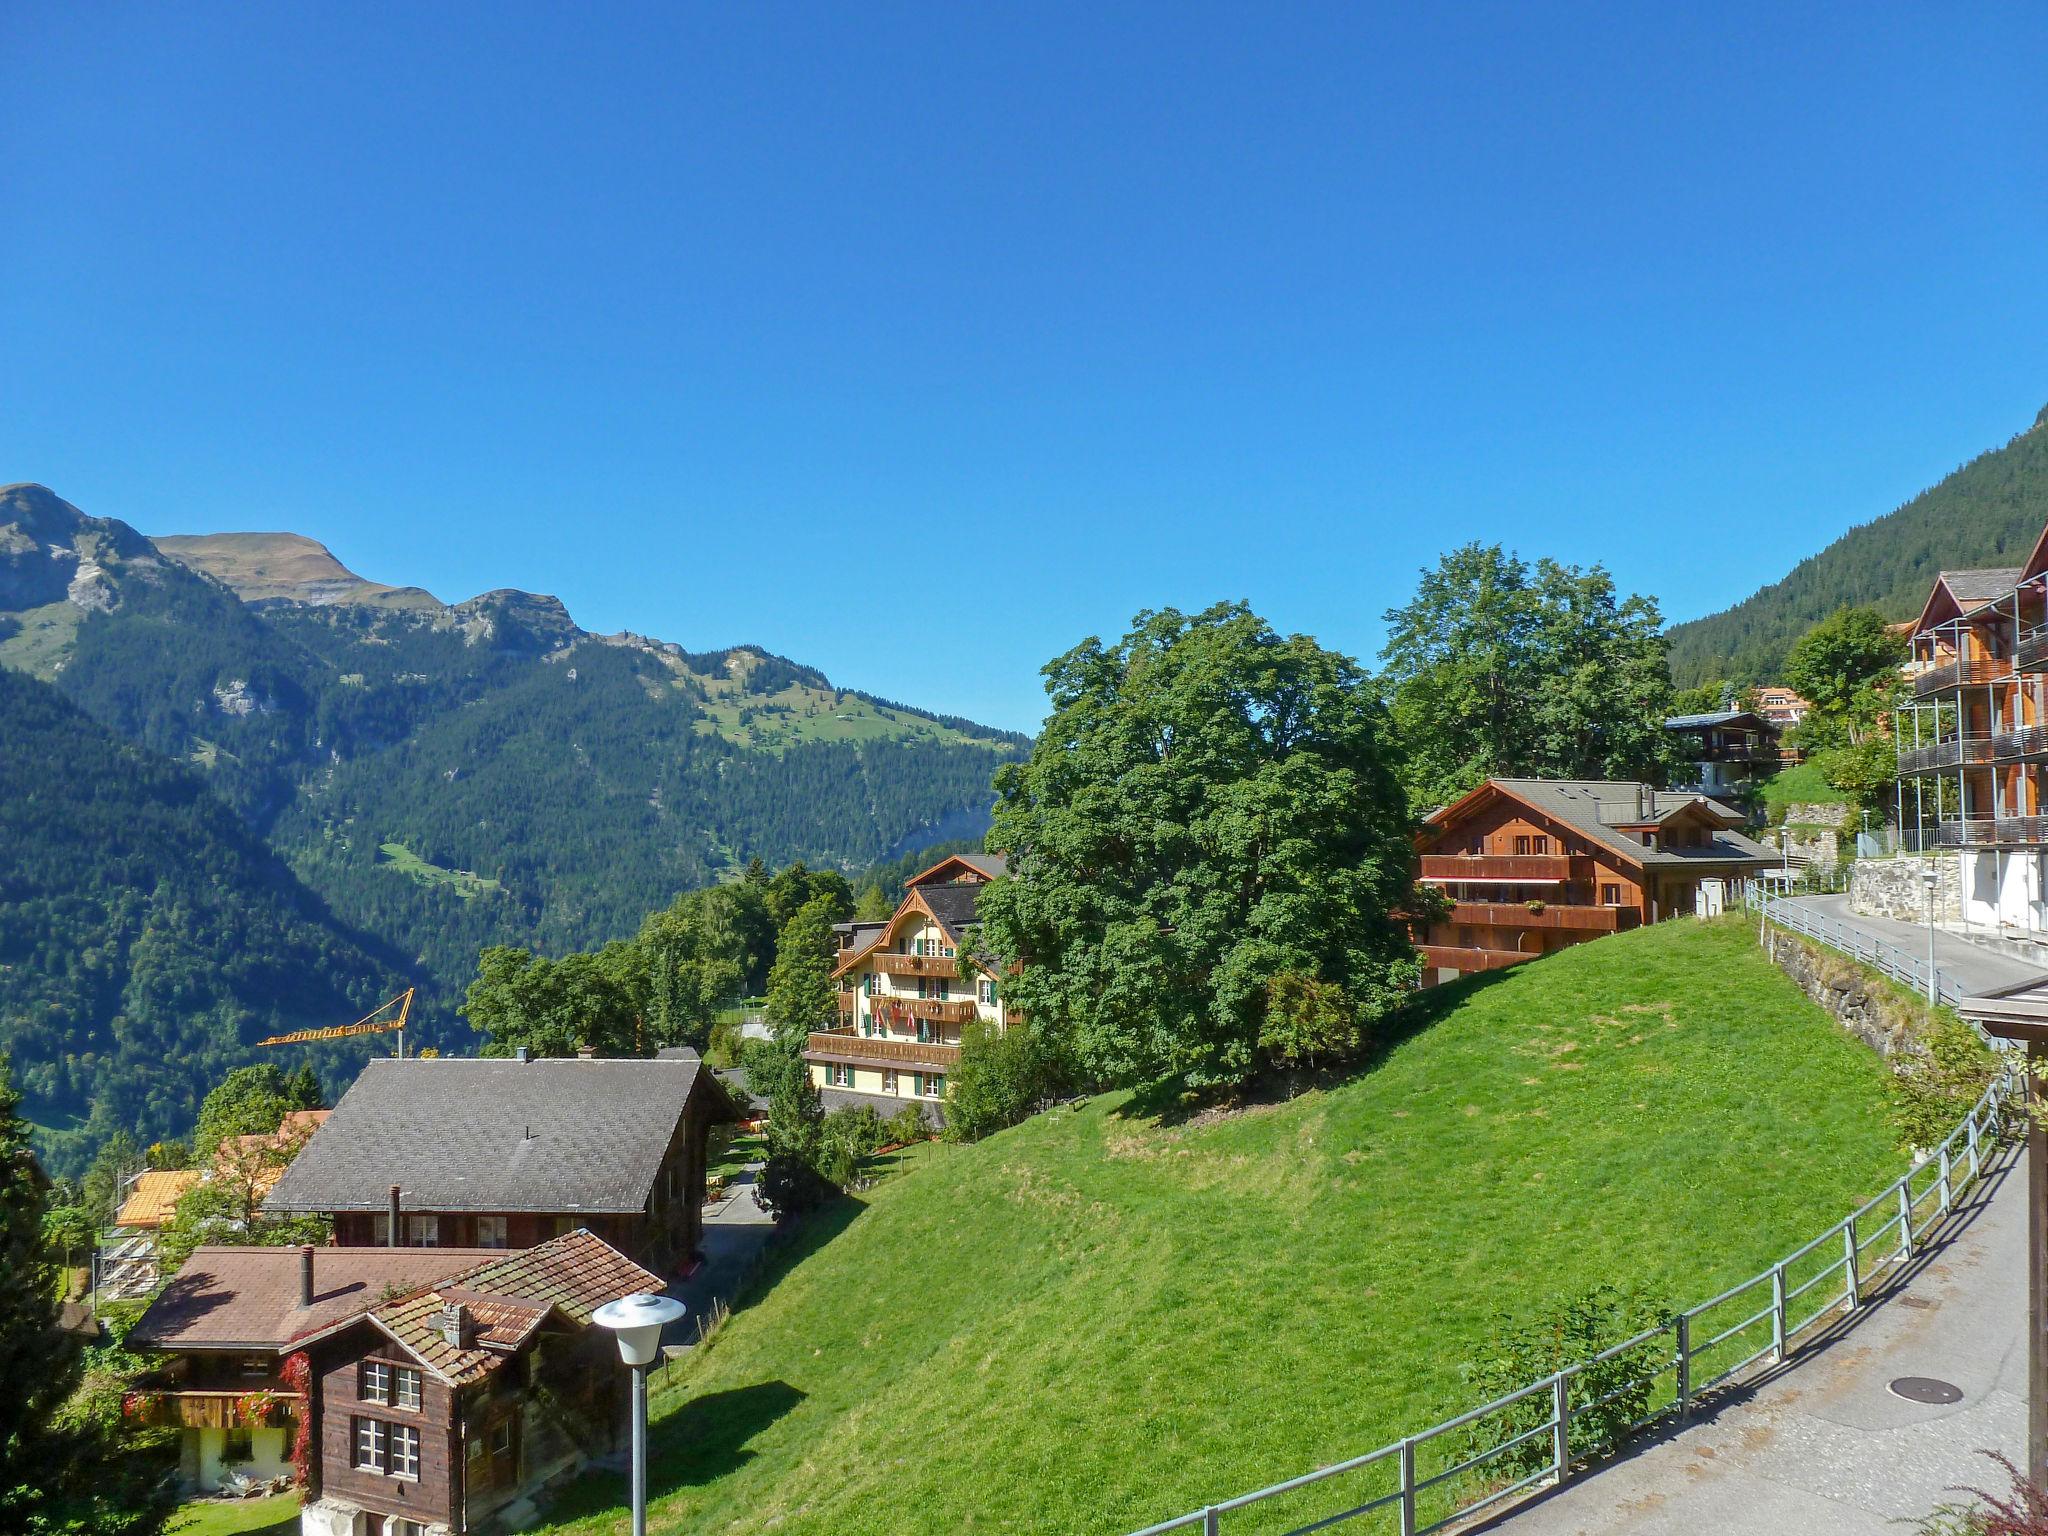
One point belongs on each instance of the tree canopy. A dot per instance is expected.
(1210, 806)
(1497, 670)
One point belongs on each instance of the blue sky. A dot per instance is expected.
(919, 342)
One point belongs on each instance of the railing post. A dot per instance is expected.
(1777, 1313)
(1906, 1220)
(1851, 1281)
(1407, 1488)
(1970, 1135)
(1561, 1427)
(1684, 1366)
(1212, 1522)
(1947, 1193)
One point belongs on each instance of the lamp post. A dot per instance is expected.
(1928, 880)
(636, 1322)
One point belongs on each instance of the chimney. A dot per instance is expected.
(520, 1054)
(585, 1052)
(397, 1238)
(454, 1326)
(305, 1274)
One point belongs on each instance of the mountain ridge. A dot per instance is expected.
(1986, 512)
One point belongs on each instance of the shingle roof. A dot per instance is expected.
(1598, 807)
(509, 1298)
(1972, 588)
(248, 1298)
(154, 1195)
(952, 905)
(1720, 717)
(553, 1135)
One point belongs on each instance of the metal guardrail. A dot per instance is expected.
(1901, 965)
(1437, 1476)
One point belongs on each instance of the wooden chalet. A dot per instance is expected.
(438, 1388)
(508, 1153)
(1727, 752)
(906, 991)
(1533, 865)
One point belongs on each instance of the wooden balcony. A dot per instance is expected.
(1448, 957)
(1957, 674)
(917, 965)
(255, 1408)
(1512, 914)
(861, 1050)
(1507, 868)
(933, 1010)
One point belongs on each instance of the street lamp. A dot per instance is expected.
(1928, 880)
(636, 1322)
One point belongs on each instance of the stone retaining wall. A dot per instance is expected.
(1892, 888)
(1868, 1009)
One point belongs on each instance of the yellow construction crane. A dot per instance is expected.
(368, 1024)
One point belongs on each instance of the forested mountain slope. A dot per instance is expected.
(1987, 513)
(450, 775)
(147, 935)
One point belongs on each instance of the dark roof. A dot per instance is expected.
(988, 865)
(509, 1298)
(1721, 717)
(1600, 807)
(953, 905)
(555, 1135)
(1974, 588)
(248, 1298)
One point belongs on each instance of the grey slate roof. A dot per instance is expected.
(1974, 588)
(1720, 717)
(991, 864)
(551, 1135)
(1598, 807)
(952, 905)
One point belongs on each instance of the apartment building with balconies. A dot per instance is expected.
(1531, 866)
(1972, 738)
(907, 990)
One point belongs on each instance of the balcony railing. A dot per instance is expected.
(917, 965)
(935, 1010)
(256, 1408)
(843, 1045)
(1990, 832)
(2031, 651)
(1506, 868)
(1448, 957)
(1955, 674)
(1512, 914)
(1936, 755)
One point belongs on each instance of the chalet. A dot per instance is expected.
(1533, 865)
(1781, 706)
(906, 990)
(437, 1389)
(1972, 740)
(508, 1153)
(1727, 752)
(225, 1325)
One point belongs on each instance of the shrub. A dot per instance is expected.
(1000, 1078)
(726, 1046)
(789, 1186)
(857, 1128)
(2022, 1512)
(1933, 1093)
(906, 1126)
(1574, 1332)
(1309, 1023)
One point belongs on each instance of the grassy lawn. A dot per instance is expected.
(1799, 784)
(276, 1515)
(1099, 1319)
(406, 862)
(745, 1149)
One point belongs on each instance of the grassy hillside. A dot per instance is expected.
(1097, 1319)
(1989, 512)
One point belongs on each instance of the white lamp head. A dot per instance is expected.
(637, 1322)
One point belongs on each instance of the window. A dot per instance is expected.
(405, 1451)
(407, 1382)
(490, 1231)
(1610, 895)
(423, 1231)
(936, 1085)
(1477, 845)
(867, 983)
(1521, 842)
(373, 1381)
(254, 1367)
(988, 993)
(888, 1080)
(838, 1076)
(373, 1441)
(1540, 844)
(945, 989)
(501, 1438)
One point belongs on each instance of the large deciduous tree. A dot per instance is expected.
(1210, 806)
(1497, 670)
(1842, 666)
(552, 1006)
(800, 991)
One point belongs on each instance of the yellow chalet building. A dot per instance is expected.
(905, 994)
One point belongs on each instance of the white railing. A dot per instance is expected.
(1902, 965)
(1439, 1475)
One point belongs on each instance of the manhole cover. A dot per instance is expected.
(1925, 1389)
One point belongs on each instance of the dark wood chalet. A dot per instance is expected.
(509, 1153)
(1533, 865)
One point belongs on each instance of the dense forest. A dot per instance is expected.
(147, 935)
(1988, 513)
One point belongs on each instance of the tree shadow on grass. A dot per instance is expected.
(1170, 1102)
(700, 1442)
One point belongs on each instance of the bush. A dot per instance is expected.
(1937, 1091)
(726, 1046)
(789, 1186)
(767, 1065)
(1310, 1023)
(907, 1126)
(858, 1129)
(1575, 1332)
(1000, 1078)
